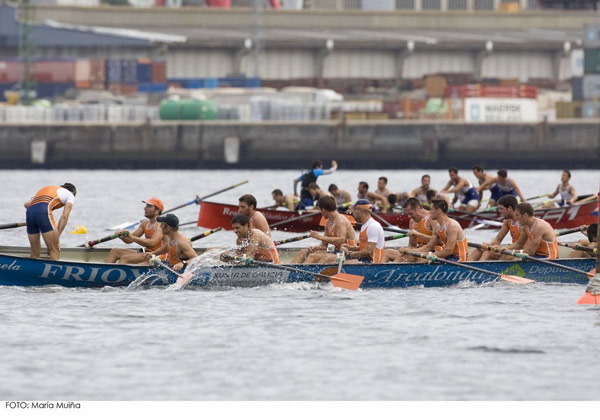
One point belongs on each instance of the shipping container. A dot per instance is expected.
(113, 71)
(590, 109)
(565, 110)
(591, 61)
(577, 63)
(54, 71)
(11, 71)
(592, 36)
(144, 70)
(51, 90)
(591, 86)
(159, 71)
(129, 72)
(577, 88)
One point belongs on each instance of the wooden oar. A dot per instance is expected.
(568, 231)
(92, 243)
(294, 239)
(343, 280)
(433, 258)
(197, 200)
(395, 229)
(524, 256)
(536, 197)
(12, 225)
(578, 247)
(293, 219)
(543, 203)
(205, 234)
(193, 222)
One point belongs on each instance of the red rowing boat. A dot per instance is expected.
(213, 215)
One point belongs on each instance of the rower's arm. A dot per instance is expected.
(446, 187)
(573, 195)
(501, 234)
(163, 248)
(457, 187)
(486, 184)
(261, 224)
(450, 242)
(332, 169)
(187, 250)
(521, 241)
(553, 194)
(347, 197)
(379, 197)
(148, 243)
(532, 245)
(137, 232)
(28, 203)
(518, 191)
(366, 252)
(431, 244)
(289, 200)
(62, 223)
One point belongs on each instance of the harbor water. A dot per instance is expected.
(284, 341)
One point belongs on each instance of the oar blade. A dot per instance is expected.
(515, 279)
(589, 299)
(347, 281)
(124, 226)
(184, 279)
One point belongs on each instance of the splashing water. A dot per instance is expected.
(148, 279)
(210, 258)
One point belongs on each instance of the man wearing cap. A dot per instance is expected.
(151, 240)
(39, 218)
(177, 248)
(371, 241)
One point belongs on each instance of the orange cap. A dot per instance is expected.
(156, 202)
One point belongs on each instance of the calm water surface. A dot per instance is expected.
(283, 342)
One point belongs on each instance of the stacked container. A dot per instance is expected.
(591, 70)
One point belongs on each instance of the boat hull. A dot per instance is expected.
(22, 271)
(213, 215)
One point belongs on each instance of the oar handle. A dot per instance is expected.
(579, 247)
(12, 225)
(395, 229)
(92, 243)
(568, 231)
(495, 248)
(205, 234)
(294, 239)
(394, 237)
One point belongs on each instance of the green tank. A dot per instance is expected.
(187, 109)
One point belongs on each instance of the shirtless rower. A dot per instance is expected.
(421, 228)
(448, 233)
(338, 231)
(506, 208)
(151, 240)
(420, 193)
(39, 218)
(341, 196)
(316, 192)
(371, 246)
(175, 245)
(537, 237)
(433, 195)
(484, 178)
(253, 243)
(567, 192)
(500, 186)
(373, 198)
(308, 178)
(288, 201)
(247, 207)
(591, 241)
(463, 191)
(382, 188)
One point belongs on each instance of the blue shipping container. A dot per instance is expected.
(144, 72)
(211, 83)
(50, 90)
(129, 72)
(113, 71)
(152, 87)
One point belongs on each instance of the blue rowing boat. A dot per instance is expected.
(83, 268)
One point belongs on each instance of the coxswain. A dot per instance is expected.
(247, 207)
(371, 240)
(308, 178)
(341, 196)
(464, 193)
(175, 246)
(151, 240)
(338, 231)
(39, 217)
(253, 243)
(449, 234)
(537, 238)
(289, 201)
(506, 208)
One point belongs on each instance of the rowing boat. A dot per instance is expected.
(84, 268)
(213, 215)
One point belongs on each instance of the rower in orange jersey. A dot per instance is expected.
(537, 235)
(151, 240)
(506, 208)
(449, 234)
(371, 245)
(253, 243)
(338, 231)
(40, 219)
(175, 245)
(421, 228)
(247, 207)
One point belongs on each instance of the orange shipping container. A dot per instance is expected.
(58, 71)
(10, 71)
(159, 71)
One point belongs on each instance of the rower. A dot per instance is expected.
(463, 191)
(382, 188)
(448, 233)
(565, 189)
(592, 241)
(371, 245)
(308, 178)
(253, 243)
(486, 180)
(289, 201)
(39, 217)
(316, 193)
(421, 228)
(433, 195)
(420, 193)
(247, 207)
(338, 231)
(175, 245)
(500, 186)
(373, 198)
(341, 196)
(506, 208)
(537, 235)
(151, 241)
